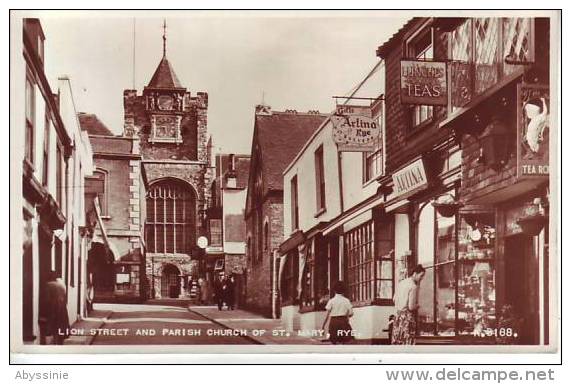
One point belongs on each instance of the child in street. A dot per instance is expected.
(339, 310)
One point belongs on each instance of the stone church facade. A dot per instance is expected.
(171, 124)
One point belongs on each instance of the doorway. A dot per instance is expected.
(170, 281)
(522, 286)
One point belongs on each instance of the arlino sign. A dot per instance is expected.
(356, 133)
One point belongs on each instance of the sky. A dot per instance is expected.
(290, 60)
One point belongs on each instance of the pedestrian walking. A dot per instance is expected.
(230, 292)
(56, 317)
(339, 310)
(406, 305)
(219, 289)
(202, 291)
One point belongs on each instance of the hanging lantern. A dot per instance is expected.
(494, 144)
(446, 205)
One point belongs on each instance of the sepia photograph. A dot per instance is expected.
(284, 181)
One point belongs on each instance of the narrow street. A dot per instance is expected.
(141, 324)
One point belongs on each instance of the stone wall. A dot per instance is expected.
(260, 272)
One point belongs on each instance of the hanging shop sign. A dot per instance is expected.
(410, 179)
(423, 82)
(356, 133)
(532, 130)
(359, 110)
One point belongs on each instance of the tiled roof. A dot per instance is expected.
(164, 76)
(90, 122)
(386, 47)
(280, 136)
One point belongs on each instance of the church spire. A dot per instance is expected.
(164, 38)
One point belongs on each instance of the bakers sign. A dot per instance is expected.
(355, 133)
(423, 82)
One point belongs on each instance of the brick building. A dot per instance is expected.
(118, 275)
(277, 138)
(171, 127)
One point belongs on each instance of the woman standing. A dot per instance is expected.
(339, 310)
(406, 304)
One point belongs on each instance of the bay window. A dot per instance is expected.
(369, 258)
(483, 51)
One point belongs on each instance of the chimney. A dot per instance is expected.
(231, 174)
(262, 109)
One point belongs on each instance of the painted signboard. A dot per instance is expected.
(356, 133)
(409, 179)
(532, 130)
(423, 82)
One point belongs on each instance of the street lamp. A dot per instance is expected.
(202, 243)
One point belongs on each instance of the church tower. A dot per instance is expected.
(171, 125)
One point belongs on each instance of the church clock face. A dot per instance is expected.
(165, 103)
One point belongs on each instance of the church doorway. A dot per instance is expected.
(170, 281)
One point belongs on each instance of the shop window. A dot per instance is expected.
(27, 280)
(421, 47)
(294, 204)
(314, 290)
(385, 260)
(30, 120)
(215, 232)
(476, 275)
(170, 224)
(319, 180)
(289, 279)
(436, 251)
(479, 48)
(360, 261)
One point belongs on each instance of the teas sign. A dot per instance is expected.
(423, 82)
(532, 130)
(355, 133)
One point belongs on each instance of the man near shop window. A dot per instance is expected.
(406, 305)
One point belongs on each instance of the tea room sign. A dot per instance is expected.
(532, 130)
(423, 82)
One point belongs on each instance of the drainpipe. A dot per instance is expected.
(274, 285)
(340, 176)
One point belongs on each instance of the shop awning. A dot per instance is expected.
(293, 241)
(104, 237)
(353, 213)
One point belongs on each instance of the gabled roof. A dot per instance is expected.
(164, 76)
(90, 122)
(280, 136)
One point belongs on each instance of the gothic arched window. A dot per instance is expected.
(171, 218)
